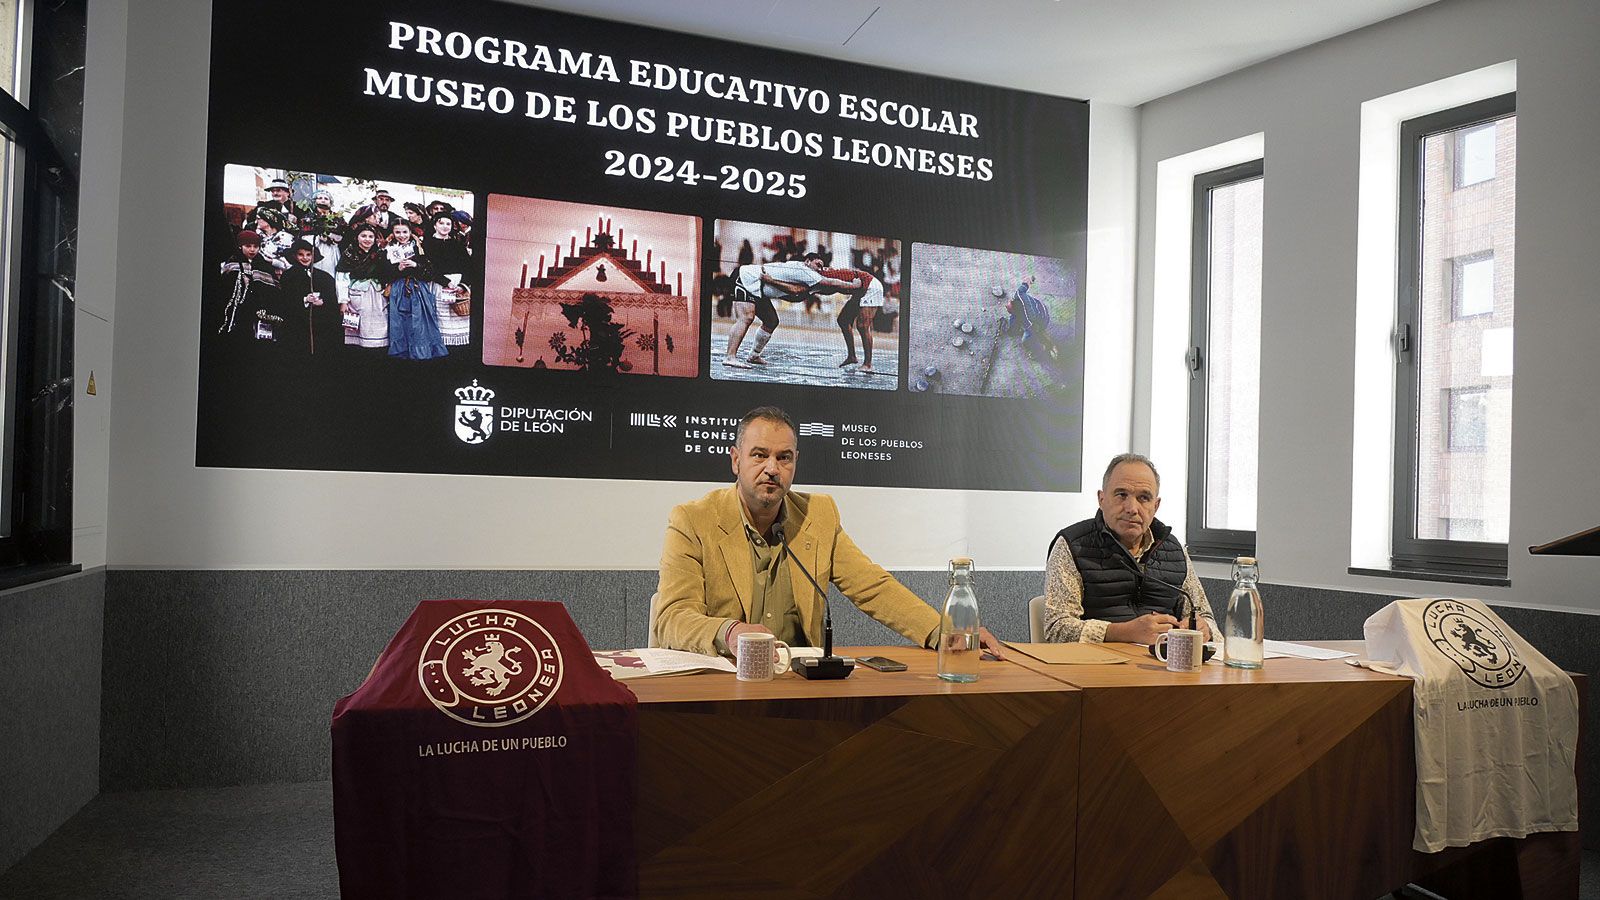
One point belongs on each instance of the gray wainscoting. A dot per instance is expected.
(226, 678)
(50, 639)
(219, 678)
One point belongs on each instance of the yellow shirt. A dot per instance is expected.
(771, 590)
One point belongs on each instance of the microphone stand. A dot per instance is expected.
(829, 667)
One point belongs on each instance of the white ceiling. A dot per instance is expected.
(1116, 51)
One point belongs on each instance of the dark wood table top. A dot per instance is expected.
(919, 679)
(1142, 670)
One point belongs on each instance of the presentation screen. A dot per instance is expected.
(480, 238)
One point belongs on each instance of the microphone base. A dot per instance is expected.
(824, 668)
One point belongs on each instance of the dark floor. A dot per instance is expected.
(263, 841)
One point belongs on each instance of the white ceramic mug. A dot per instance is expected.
(758, 657)
(1183, 651)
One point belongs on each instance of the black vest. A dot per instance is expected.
(1117, 589)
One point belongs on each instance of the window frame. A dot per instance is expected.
(37, 445)
(1409, 553)
(1202, 541)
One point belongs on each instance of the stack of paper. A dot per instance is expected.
(649, 661)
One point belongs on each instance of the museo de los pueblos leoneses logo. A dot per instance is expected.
(1473, 642)
(490, 668)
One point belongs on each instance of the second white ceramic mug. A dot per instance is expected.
(1183, 651)
(758, 657)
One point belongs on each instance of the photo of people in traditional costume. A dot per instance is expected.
(377, 212)
(360, 281)
(413, 213)
(463, 226)
(278, 193)
(276, 238)
(250, 285)
(450, 259)
(413, 303)
(348, 219)
(308, 302)
(325, 229)
(436, 207)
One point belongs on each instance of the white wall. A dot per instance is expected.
(165, 512)
(1308, 105)
(100, 184)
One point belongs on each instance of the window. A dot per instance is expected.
(1468, 419)
(1453, 340)
(1472, 285)
(1474, 154)
(1225, 360)
(40, 126)
(11, 26)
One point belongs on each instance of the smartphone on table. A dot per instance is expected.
(881, 663)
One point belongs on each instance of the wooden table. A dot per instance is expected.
(1124, 780)
(1293, 780)
(881, 785)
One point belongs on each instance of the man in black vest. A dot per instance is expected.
(1122, 576)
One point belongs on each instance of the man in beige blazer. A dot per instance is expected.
(723, 570)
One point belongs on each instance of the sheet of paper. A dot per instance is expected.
(1278, 649)
(650, 661)
(1069, 654)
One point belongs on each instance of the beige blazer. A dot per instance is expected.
(707, 574)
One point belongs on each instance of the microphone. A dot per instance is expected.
(828, 667)
(1194, 625)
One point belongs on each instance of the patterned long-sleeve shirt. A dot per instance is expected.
(1063, 598)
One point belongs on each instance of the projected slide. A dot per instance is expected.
(495, 239)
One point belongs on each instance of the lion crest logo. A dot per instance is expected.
(474, 415)
(490, 667)
(1470, 639)
(487, 665)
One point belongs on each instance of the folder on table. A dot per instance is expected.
(1069, 654)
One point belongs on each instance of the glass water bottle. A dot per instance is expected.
(958, 627)
(1243, 629)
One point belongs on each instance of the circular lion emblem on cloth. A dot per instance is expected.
(491, 667)
(1474, 643)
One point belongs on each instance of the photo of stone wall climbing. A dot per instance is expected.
(993, 324)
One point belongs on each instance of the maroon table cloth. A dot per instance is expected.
(486, 756)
